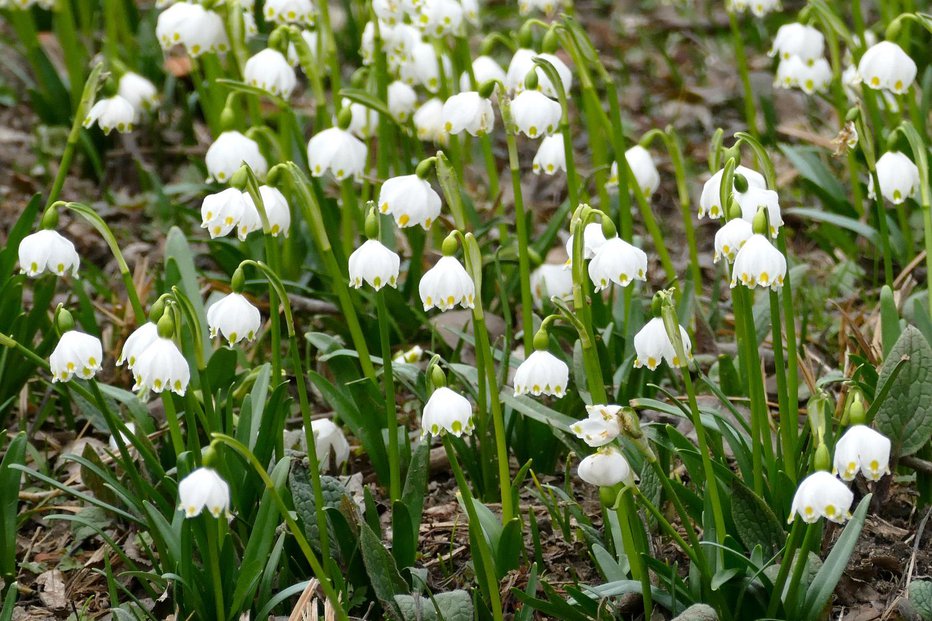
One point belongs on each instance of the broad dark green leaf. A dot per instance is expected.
(905, 415)
(755, 521)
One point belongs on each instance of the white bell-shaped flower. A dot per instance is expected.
(440, 17)
(409, 356)
(484, 68)
(652, 345)
(813, 76)
(290, 12)
(423, 67)
(329, 443)
(606, 468)
(111, 113)
(136, 343)
(204, 489)
(162, 366)
(550, 157)
(310, 37)
(471, 11)
(862, 448)
(447, 284)
(535, 114)
(710, 202)
(601, 427)
(205, 33)
(759, 8)
(428, 121)
(548, 7)
(373, 264)
(338, 151)
(174, 22)
(388, 11)
(757, 198)
(642, 167)
(402, 100)
(730, 238)
(593, 238)
(822, 495)
(141, 94)
(399, 42)
(229, 152)
(617, 261)
(48, 251)
(551, 281)
(276, 210)
(249, 24)
(797, 39)
(522, 63)
(886, 65)
(234, 318)
(270, 71)
(898, 176)
(758, 263)
(542, 374)
(78, 354)
(467, 112)
(447, 412)
(221, 212)
(410, 200)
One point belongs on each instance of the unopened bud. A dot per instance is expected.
(372, 222)
(155, 313)
(822, 459)
(530, 80)
(437, 377)
(550, 42)
(63, 319)
(854, 409)
(741, 183)
(344, 118)
(166, 326)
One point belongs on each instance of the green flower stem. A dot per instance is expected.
(737, 41)
(628, 520)
(74, 55)
(174, 429)
(813, 533)
(491, 166)
(325, 584)
(789, 551)
(386, 144)
(201, 79)
(884, 231)
(311, 68)
(214, 542)
(572, 178)
(391, 415)
(117, 438)
(792, 360)
(350, 216)
(484, 553)
(650, 222)
(327, 45)
(787, 428)
(619, 146)
(594, 377)
(672, 142)
(691, 549)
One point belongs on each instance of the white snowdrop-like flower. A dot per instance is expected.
(277, 212)
(222, 211)
(467, 112)
(862, 448)
(112, 443)
(730, 238)
(290, 12)
(48, 251)
(642, 167)
(173, 23)
(551, 281)
(652, 345)
(445, 285)
(399, 42)
(447, 412)
(409, 356)
(756, 198)
(886, 65)
(542, 374)
(141, 94)
(402, 99)
(799, 40)
(78, 354)
(229, 152)
(270, 71)
(810, 76)
(535, 114)
(111, 113)
(593, 238)
(374, 264)
(606, 468)
(898, 176)
(161, 366)
(428, 121)
(822, 495)
(249, 23)
(422, 67)
(601, 427)
(329, 443)
(410, 200)
(310, 37)
(759, 8)
(710, 202)
(204, 489)
(204, 33)
(471, 11)
(758, 263)
(137, 342)
(548, 7)
(363, 120)
(551, 156)
(234, 318)
(617, 261)
(544, 84)
(388, 11)
(440, 17)
(522, 63)
(338, 151)
(484, 68)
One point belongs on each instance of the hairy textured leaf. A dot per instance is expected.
(905, 416)
(453, 606)
(755, 521)
(383, 573)
(698, 612)
(920, 596)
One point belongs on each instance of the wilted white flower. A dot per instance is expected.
(161, 366)
(642, 167)
(141, 94)
(606, 468)
(338, 151)
(447, 284)
(204, 489)
(222, 211)
(759, 263)
(233, 317)
(542, 374)
(730, 238)
(601, 427)
(812, 76)
(137, 342)
(270, 71)
(446, 412)
(47, 251)
(756, 198)
(410, 200)
(329, 440)
(484, 68)
(652, 344)
(886, 65)
(440, 17)
(535, 114)
(111, 113)
(229, 152)
(547, 6)
(551, 281)
(290, 12)
(550, 157)
(898, 176)
(710, 202)
(593, 238)
(78, 354)
(617, 261)
(401, 100)
(799, 40)
(862, 448)
(374, 264)
(428, 121)
(467, 112)
(822, 495)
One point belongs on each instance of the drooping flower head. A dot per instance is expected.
(270, 71)
(233, 317)
(551, 156)
(141, 94)
(652, 345)
(535, 115)
(730, 238)
(710, 202)
(221, 212)
(759, 263)
(469, 112)
(111, 113)
(862, 448)
(617, 261)
(898, 176)
(447, 284)
(822, 495)
(373, 264)
(541, 373)
(886, 66)
(606, 468)
(76, 353)
(338, 151)
(204, 489)
(229, 152)
(601, 427)
(797, 39)
(447, 411)
(410, 200)
(48, 251)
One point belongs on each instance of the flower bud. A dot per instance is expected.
(227, 119)
(155, 312)
(550, 42)
(608, 496)
(345, 117)
(530, 80)
(526, 35)
(238, 281)
(741, 183)
(274, 177)
(372, 222)
(853, 114)
(425, 167)
(63, 319)
(50, 218)
(822, 459)
(437, 377)
(854, 409)
(166, 326)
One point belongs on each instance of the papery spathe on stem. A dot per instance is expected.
(229, 152)
(862, 448)
(76, 353)
(822, 495)
(204, 489)
(47, 251)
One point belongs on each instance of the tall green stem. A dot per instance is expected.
(174, 429)
(391, 416)
(214, 543)
(628, 519)
(787, 432)
(789, 551)
(750, 108)
(802, 559)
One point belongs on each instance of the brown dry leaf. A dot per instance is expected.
(52, 589)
